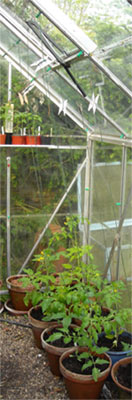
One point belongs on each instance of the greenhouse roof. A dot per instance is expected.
(68, 67)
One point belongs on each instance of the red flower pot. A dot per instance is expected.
(17, 139)
(37, 324)
(32, 140)
(17, 292)
(124, 362)
(53, 352)
(2, 139)
(81, 386)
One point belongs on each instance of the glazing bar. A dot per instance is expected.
(8, 217)
(88, 192)
(9, 81)
(122, 198)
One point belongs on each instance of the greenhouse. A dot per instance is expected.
(65, 188)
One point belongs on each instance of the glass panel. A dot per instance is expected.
(105, 22)
(30, 13)
(39, 180)
(106, 189)
(80, 105)
(12, 44)
(119, 61)
(111, 99)
(51, 35)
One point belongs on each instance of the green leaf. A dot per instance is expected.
(45, 304)
(66, 322)
(29, 271)
(54, 336)
(27, 298)
(101, 350)
(118, 319)
(67, 266)
(95, 373)
(36, 298)
(85, 355)
(101, 361)
(68, 298)
(87, 364)
(67, 339)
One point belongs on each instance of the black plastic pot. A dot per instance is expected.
(8, 138)
(45, 140)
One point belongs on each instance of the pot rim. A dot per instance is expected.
(50, 347)
(12, 310)
(114, 370)
(12, 286)
(79, 377)
(36, 322)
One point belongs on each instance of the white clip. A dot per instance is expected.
(63, 107)
(93, 103)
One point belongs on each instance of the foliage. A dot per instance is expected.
(76, 295)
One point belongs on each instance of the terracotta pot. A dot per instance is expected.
(124, 391)
(53, 352)
(83, 386)
(17, 292)
(2, 139)
(18, 139)
(8, 307)
(31, 140)
(37, 324)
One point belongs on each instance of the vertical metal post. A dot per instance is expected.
(8, 216)
(88, 191)
(122, 199)
(8, 227)
(9, 80)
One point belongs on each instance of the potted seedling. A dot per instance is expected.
(19, 123)
(84, 367)
(115, 336)
(17, 292)
(73, 275)
(32, 122)
(70, 301)
(44, 280)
